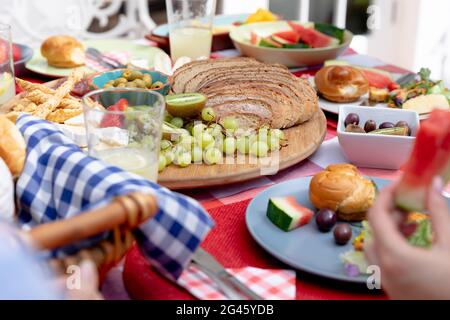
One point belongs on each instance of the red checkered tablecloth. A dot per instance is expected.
(230, 241)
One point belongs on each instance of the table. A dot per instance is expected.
(230, 241)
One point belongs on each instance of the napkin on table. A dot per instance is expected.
(270, 284)
(121, 56)
(60, 181)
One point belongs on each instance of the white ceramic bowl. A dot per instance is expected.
(288, 57)
(373, 150)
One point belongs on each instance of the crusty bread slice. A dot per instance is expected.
(247, 112)
(207, 76)
(191, 69)
(279, 103)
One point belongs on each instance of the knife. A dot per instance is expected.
(209, 264)
(111, 61)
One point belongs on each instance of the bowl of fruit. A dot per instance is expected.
(291, 43)
(377, 137)
(132, 78)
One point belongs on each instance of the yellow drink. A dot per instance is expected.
(138, 161)
(7, 87)
(190, 42)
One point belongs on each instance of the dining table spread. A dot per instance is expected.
(230, 241)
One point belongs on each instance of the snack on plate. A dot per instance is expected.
(343, 189)
(422, 95)
(378, 95)
(63, 52)
(12, 146)
(55, 105)
(255, 94)
(341, 83)
(287, 214)
(415, 227)
(426, 103)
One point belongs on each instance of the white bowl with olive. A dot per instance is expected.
(377, 137)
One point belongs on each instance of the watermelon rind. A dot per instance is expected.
(283, 214)
(269, 43)
(296, 46)
(410, 198)
(330, 30)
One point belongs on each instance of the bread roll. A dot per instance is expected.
(341, 83)
(6, 194)
(63, 52)
(12, 146)
(341, 188)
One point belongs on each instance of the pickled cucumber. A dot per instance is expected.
(185, 105)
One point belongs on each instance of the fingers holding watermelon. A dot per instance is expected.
(439, 213)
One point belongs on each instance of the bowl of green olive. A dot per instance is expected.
(131, 78)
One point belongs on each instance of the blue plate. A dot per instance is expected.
(305, 248)
(218, 21)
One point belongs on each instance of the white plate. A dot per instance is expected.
(333, 107)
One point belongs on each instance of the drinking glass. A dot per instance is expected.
(7, 83)
(124, 128)
(190, 27)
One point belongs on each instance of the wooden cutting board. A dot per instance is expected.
(303, 140)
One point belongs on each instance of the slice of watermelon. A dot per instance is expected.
(429, 158)
(286, 37)
(313, 37)
(269, 43)
(255, 38)
(287, 214)
(378, 78)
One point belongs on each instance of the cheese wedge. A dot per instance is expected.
(426, 103)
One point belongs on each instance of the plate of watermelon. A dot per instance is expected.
(291, 43)
(304, 248)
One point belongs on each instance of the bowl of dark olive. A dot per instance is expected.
(374, 137)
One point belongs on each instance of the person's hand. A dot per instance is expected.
(409, 272)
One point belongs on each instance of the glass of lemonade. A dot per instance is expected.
(124, 128)
(7, 83)
(190, 23)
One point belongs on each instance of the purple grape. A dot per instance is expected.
(326, 219)
(342, 233)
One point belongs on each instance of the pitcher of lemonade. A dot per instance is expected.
(7, 83)
(190, 23)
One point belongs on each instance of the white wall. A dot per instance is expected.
(243, 6)
(414, 34)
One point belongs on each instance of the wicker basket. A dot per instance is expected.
(120, 217)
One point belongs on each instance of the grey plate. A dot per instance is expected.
(305, 248)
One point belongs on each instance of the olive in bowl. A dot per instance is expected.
(132, 78)
(377, 149)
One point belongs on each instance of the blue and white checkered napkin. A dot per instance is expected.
(60, 181)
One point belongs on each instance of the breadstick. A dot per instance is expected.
(61, 115)
(53, 102)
